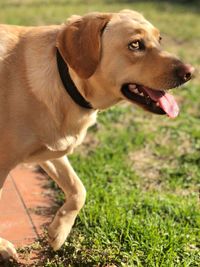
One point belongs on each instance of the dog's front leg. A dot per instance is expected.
(7, 249)
(63, 174)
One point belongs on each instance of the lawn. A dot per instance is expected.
(141, 171)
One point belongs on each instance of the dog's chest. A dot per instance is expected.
(74, 136)
(68, 143)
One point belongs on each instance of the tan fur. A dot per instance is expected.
(39, 122)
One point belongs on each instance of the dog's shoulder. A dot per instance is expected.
(9, 37)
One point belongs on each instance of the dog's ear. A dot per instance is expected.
(79, 42)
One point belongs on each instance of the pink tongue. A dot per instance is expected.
(166, 101)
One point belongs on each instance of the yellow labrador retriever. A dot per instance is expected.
(53, 81)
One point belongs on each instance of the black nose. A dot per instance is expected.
(185, 72)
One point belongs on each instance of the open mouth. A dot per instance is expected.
(155, 101)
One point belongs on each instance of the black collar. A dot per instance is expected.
(69, 85)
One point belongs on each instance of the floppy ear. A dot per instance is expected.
(80, 42)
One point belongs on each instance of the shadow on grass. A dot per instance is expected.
(191, 6)
(40, 254)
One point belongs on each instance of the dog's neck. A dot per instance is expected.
(45, 84)
(68, 83)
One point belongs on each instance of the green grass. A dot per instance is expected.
(141, 171)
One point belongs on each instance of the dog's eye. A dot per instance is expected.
(136, 45)
(160, 39)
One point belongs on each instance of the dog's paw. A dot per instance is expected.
(57, 235)
(7, 250)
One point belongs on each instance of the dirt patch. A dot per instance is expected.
(149, 163)
(148, 166)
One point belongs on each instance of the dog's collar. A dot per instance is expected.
(69, 85)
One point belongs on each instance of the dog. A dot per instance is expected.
(55, 79)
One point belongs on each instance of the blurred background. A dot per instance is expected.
(141, 171)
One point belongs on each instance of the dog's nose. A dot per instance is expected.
(185, 72)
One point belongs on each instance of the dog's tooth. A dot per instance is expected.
(134, 90)
(132, 86)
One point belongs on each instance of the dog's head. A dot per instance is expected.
(119, 56)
